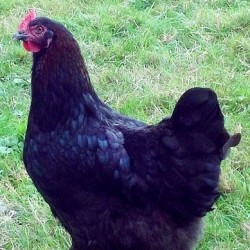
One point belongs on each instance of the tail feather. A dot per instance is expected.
(197, 117)
(233, 141)
(198, 144)
(196, 108)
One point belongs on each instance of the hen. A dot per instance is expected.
(114, 182)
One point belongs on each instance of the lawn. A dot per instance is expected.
(141, 55)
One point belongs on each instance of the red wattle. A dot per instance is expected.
(29, 46)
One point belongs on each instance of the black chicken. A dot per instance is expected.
(116, 183)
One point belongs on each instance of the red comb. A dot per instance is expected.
(30, 16)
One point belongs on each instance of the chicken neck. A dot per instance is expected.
(59, 82)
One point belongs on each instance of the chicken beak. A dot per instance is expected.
(21, 36)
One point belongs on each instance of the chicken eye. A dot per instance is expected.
(39, 30)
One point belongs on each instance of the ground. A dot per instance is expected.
(141, 55)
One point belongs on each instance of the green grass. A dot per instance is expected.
(141, 55)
